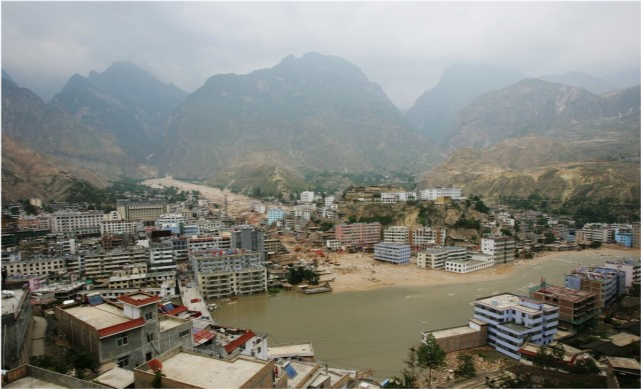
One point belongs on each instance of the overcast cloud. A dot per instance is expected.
(404, 47)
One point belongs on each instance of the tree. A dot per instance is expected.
(585, 366)
(430, 356)
(466, 368)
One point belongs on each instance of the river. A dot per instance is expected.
(374, 329)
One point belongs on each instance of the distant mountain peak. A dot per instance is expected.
(6, 76)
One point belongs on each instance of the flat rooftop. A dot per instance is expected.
(447, 332)
(99, 316)
(291, 350)
(10, 305)
(169, 322)
(31, 382)
(205, 372)
(505, 301)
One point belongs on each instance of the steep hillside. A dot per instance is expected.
(434, 113)
(310, 113)
(27, 173)
(529, 107)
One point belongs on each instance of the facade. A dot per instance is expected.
(436, 258)
(162, 258)
(273, 246)
(460, 338)
(35, 266)
(424, 237)
(631, 267)
(606, 284)
(394, 197)
(636, 234)
(396, 253)
(333, 244)
(307, 197)
(147, 211)
(17, 316)
(596, 232)
(274, 215)
(440, 192)
(209, 242)
(576, 307)
(330, 202)
(358, 234)
(249, 238)
(129, 334)
(396, 234)
(623, 236)
(514, 320)
(74, 224)
(130, 227)
(224, 273)
(503, 248)
(474, 262)
(99, 266)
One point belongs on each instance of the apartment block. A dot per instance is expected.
(631, 268)
(596, 232)
(440, 192)
(396, 253)
(396, 234)
(99, 266)
(424, 237)
(224, 273)
(606, 284)
(436, 258)
(473, 262)
(76, 224)
(576, 307)
(503, 248)
(274, 215)
(37, 266)
(636, 234)
(514, 320)
(147, 211)
(130, 227)
(307, 197)
(249, 238)
(460, 338)
(358, 234)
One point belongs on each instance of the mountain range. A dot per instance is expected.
(315, 114)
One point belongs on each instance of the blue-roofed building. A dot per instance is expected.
(606, 284)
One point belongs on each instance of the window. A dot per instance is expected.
(123, 361)
(122, 340)
(149, 315)
(184, 333)
(150, 337)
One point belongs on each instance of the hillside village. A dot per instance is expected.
(134, 291)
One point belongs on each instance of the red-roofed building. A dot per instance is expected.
(230, 342)
(128, 333)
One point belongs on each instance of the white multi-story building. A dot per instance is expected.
(258, 208)
(330, 202)
(514, 320)
(275, 215)
(503, 248)
(223, 273)
(99, 265)
(473, 262)
(162, 258)
(436, 258)
(396, 234)
(440, 192)
(394, 197)
(326, 213)
(307, 197)
(303, 211)
(392, 252)
(631, 267)
(333, 244)
(130, 227)
(222, 241)
(596, 232)
(72, 224)
(170, 218)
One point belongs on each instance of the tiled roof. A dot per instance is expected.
(176, 311)
(122, 327)
(234, 344)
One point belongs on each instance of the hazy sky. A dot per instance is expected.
(403, 46)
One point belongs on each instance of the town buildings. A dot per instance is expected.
(396, 253)
(307, 197)
(76, 224)
(17, 315)
(249, 238)
(424, 237)
(631, 268)
(396, 234)
(453, 193)
(473, 262)
(275, 215)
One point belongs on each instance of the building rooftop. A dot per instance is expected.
(564, 293)
(99, 316)
(32, 382)
(205, 372)
(447, 332)
(168, 322)
(303, 350)
(11, 304)
(116, 378)
(507, 300)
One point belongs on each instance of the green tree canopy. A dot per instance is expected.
(430, 355)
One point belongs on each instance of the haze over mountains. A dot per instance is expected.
(317, 113)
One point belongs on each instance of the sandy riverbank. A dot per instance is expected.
(236, 203)
(362, 272)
